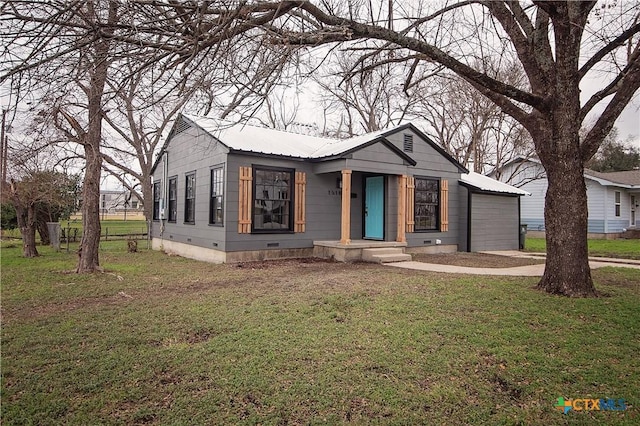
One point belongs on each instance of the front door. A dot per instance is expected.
(374, 207)
(633, 210)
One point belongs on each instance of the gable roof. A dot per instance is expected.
(484, 183)
(625, 179)
(629, 177)
(260, 140)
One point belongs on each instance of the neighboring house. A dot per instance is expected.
(613, 198)
(112, 202)
(225, 193)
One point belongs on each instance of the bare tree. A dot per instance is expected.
(472, 128)
(357, 100)
(86, 49)
(49, 48)
(140, 108)
(280, 110)
(37, 197)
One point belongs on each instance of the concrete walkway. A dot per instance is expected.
(517, 271)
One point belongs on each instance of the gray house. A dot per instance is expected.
(226, 193)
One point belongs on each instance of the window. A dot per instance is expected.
(156, 201)
(617, 203)
(272, 200)
(190, 199)
(217, 196)
(173, 199)
(427, 203)
(408, 143)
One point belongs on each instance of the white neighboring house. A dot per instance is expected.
(118, 201)
(613, 198)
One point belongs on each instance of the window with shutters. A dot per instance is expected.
(216, 200)
(173, 199)
(272, 200)
(426, 204)
(617, 203)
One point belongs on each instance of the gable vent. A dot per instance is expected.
(180, 127)
(408, 143)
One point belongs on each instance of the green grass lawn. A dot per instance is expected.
(164, 340)
(626, 249)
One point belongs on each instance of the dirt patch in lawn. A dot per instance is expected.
(476, 260)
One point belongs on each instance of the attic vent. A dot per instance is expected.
(180, 127)
(408, 143)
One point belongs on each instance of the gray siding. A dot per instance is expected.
(494, 222)
(463, 217)
(192, 151)
(430, 163)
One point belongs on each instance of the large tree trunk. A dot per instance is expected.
(557, 142)
(27, 224)
(567, 269)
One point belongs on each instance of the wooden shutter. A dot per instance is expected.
(444, 205)
(300, 202)
(402, 209)
(411, 196)
(244, 200)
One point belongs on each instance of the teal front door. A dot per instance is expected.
(374, 207)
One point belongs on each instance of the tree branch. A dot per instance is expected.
(610, 47)
(604, 124)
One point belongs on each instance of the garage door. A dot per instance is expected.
(495, 222)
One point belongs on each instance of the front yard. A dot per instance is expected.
(160, 339)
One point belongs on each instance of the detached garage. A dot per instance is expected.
(493, 213)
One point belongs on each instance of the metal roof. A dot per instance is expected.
(249, 138)
(245, 137)
(485, 183)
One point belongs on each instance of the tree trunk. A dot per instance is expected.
(147, 195)
(43, 231)
(567, 269)
(27, 224)
(88, 253)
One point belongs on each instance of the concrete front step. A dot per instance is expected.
(385, 255)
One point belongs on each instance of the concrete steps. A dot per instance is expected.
(385, 255)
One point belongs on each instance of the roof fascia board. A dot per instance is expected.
(265, 155)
